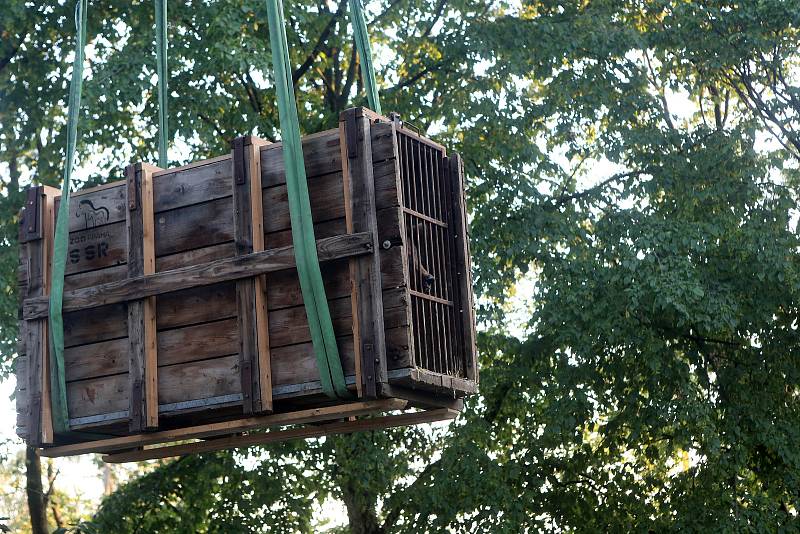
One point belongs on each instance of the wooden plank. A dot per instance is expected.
(320, 151)
(196, 305)
(284, 289)
(460, 238)
(312, 415)
(296, 364)
(219, 338)
(283, 238)
(97, 248)
(97, 207)
(193, 184)
(21, 388)
(48, 237)
(223, 270)
(262, 317)
(142, 344)
(178, 345)
(176, 383)
(252, 313)
(37, 252)
(352, 267)
(289, 326)
(245, 288)
(359, 180)
(329, 429)
(195, 226)
(199, 380)
(150, 337)
(325, 194)
(96, 324)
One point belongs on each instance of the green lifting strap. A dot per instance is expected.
(58, 394)
(163, 92)
(365, 55)
(305, 248)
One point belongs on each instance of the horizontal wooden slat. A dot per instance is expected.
(320, 151)
(179, 345)
(290, 326)
(186, 186)
(195, 226)
(325, 193)
(195, 306)
(97, 207)
(227, 427)
(359, 425)
(283, 238)
(96, 324)
(176, 383)
(164, 263)
(296, 364)
(197, 275)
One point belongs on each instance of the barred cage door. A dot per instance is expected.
(428, 213)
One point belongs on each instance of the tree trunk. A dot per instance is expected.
(360, 504)
(37, 505)
(360, 512)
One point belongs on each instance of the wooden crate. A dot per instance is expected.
(182, 306)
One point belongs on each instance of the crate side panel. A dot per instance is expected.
(176, 383)
(321, 152)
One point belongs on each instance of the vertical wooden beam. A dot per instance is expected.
(143, 370)
(36, 240)
(253, 324)
(463, 299)
(359, 183)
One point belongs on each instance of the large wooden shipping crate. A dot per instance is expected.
(183, 307)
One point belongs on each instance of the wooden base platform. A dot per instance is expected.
(325, 421)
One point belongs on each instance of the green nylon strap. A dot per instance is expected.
(305, 248)
(163, 92)
(58, 394)
(365, 55)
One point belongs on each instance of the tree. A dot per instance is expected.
(634, 161)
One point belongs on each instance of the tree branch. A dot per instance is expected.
(323, 37)
(5, 60)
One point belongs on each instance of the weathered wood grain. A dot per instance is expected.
(321, 153)
(357, 153)
(183, 187)
(289, 326)
(312, 415)
(254, 360)
(463, 267)
(236, 441)
(326, 196)
(176, 383)
(142, 344)
(219, 338)
(197, 305)
(198, 275)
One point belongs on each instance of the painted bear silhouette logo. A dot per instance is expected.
(91, 216)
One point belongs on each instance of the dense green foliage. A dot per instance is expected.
(634, 162)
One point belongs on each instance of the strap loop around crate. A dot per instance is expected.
(320, 324)
(364, 49)
(163, 81)
(58, 395)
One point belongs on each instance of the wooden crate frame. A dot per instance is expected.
(360, 158)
